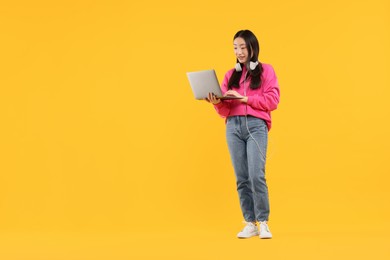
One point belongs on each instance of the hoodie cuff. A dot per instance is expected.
(250, 100)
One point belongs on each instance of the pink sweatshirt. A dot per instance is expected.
(261, 101)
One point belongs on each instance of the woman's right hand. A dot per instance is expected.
(213, 99)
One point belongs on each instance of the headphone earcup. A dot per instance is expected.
(252, 65)
(238, 67)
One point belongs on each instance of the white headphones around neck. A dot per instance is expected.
(252, 65)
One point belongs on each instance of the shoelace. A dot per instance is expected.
(265, 226)
(248, 225)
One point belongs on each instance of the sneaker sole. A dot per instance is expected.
(253, 235)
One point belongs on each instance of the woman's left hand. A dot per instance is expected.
(236, 94)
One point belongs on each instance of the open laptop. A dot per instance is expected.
(205, 82)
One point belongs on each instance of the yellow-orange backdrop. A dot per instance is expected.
(100, 130)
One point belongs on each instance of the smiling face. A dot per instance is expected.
(241, 50)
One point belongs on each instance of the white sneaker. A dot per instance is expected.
(264, 230)
(250, 230)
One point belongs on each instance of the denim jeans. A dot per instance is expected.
(249, 164)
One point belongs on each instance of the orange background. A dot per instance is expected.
(100, 133)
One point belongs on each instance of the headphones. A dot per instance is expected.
(252, 66)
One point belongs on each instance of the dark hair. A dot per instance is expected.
(252, 45)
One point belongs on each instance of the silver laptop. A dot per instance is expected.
(205, 82)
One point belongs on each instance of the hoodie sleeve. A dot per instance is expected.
(269, 100)
(223, 108)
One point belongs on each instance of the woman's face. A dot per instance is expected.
(240, 50)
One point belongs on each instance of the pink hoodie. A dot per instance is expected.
(261, 101)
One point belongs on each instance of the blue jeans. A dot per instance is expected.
(249, 164)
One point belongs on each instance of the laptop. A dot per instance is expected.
(205, 82)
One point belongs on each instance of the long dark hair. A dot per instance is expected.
(252, 45)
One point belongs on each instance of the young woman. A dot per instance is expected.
(248, 120)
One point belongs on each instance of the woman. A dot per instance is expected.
(248, 120)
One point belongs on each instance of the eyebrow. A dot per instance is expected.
(240, 44)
